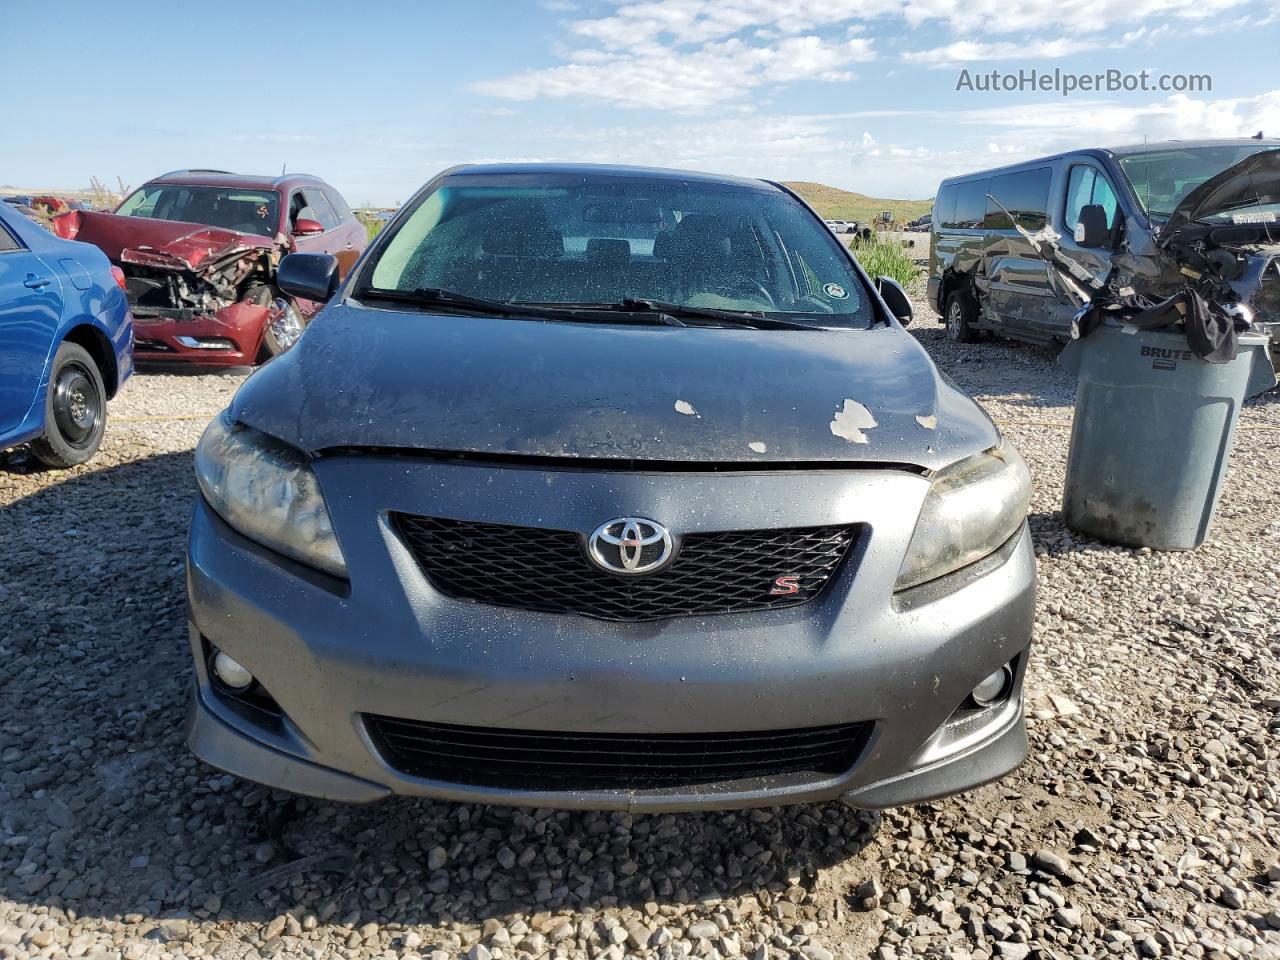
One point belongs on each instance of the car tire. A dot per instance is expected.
(284, 329)
(960, 316)
(75, 409)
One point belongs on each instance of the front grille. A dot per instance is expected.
(531, 568)
(537, 760)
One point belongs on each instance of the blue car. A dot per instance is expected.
(66, 341)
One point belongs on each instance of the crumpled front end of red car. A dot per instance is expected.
(231, 336)
(199, 294)
(216, 312)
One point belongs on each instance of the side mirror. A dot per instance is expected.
(302, 227)
(1092, 230)
(309, 276)
(895, 298)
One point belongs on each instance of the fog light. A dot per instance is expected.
(991, 690)
(206, 343)
(230, 672)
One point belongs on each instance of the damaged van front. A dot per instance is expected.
(1216, 214)
(1156, 233)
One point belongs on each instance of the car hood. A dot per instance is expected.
(499, 386)
(1255, 177)
(169, 244)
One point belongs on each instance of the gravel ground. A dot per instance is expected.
(1145, 822)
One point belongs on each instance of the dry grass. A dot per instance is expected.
(836, 204)
(103, 197)
(372, 225)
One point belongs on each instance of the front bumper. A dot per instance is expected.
(231, 337)
(387, 643)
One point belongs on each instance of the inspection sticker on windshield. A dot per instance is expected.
(835, 291)
(1262, 216)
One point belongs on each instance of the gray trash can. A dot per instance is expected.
(1152, 433)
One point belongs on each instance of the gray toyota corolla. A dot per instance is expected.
(615, 488)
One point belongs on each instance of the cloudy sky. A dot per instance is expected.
(376, 97)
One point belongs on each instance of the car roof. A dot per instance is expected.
(221, 178)
(606, 170)
(1120, 151)
(1175, 144)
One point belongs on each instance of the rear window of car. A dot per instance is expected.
(8, 242)
(339, 205)
(570, 239)
(317, 203)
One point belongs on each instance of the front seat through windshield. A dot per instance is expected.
(245, 211)
(607, 240)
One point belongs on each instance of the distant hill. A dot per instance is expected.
(8, 190)
(836, 204)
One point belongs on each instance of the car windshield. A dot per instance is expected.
(585, 240)
(1163, 178)
(246, 211)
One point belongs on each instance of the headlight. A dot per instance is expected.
(265, 490)
(972, 508)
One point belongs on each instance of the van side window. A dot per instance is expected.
(944, 206)
(1025, 194)
(1085, 186)
(971, 204)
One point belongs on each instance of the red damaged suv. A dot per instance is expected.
(199, 251)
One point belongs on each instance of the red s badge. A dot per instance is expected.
(785, 586)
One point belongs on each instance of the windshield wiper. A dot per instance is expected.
(630, 310)
(744, 318)
(438, 297)
(676, 313)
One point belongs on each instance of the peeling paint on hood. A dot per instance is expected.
(363, 377)
(852, 420)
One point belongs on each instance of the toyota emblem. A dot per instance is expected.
(631, 545)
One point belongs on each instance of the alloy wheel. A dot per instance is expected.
(953, 319)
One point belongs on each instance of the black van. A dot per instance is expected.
(1164, 214)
